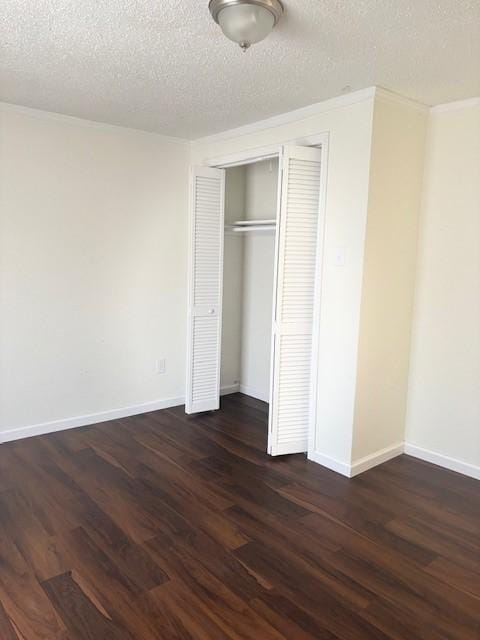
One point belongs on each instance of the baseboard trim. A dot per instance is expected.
(376, 458)
(254, 393)
(383, 455)
(230, 388)
(467, 469)
(43, 428)
(345, 469)
(368, 462)
(331, 463)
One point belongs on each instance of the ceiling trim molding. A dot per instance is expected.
(395, 98)
(455, 106)
(8, 107)
(291, 116)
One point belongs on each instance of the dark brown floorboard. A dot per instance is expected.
(164, 526)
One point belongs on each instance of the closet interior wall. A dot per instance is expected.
(250, 194)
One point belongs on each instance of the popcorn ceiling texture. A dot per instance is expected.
(165, 66)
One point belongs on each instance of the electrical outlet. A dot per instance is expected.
(160, 365)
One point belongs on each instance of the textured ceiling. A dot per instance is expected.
(165, 66)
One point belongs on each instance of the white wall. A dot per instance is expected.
(93, 274)
(396, 171)
(258, 263)
(348, 122)
(444, 390)
(92, 268)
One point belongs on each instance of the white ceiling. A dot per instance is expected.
(164, 65)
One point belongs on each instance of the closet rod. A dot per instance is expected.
(253, 222)
(245, 229)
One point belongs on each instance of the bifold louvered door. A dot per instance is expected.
(207, 198)
(291, 397)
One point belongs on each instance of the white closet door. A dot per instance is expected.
(207, 199)
(291, 397)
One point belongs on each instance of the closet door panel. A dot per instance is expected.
(295, 300)
(207, 197)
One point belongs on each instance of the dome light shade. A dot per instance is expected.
(246, 21)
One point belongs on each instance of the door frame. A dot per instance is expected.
(257, 154)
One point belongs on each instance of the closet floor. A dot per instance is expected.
(164, 526)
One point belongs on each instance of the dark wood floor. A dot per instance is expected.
(162, 527)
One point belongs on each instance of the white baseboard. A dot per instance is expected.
(346, 469)
(231, 388)
(92, 418)
(254, 393)
(447, 462)
(383, 455)
(88, 419)
(376, 458)
(368, 462)
(331, 463)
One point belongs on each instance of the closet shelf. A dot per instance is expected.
(253, 222)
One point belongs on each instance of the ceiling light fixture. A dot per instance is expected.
(246, 21)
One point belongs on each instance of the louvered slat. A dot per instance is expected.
(290, 413)
(205, 289)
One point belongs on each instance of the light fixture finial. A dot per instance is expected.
(246, 21)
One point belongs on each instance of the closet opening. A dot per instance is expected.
(256, 240)
(251, 197)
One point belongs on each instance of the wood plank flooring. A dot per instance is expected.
(164, 526)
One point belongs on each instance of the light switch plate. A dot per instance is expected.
(161, 365)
